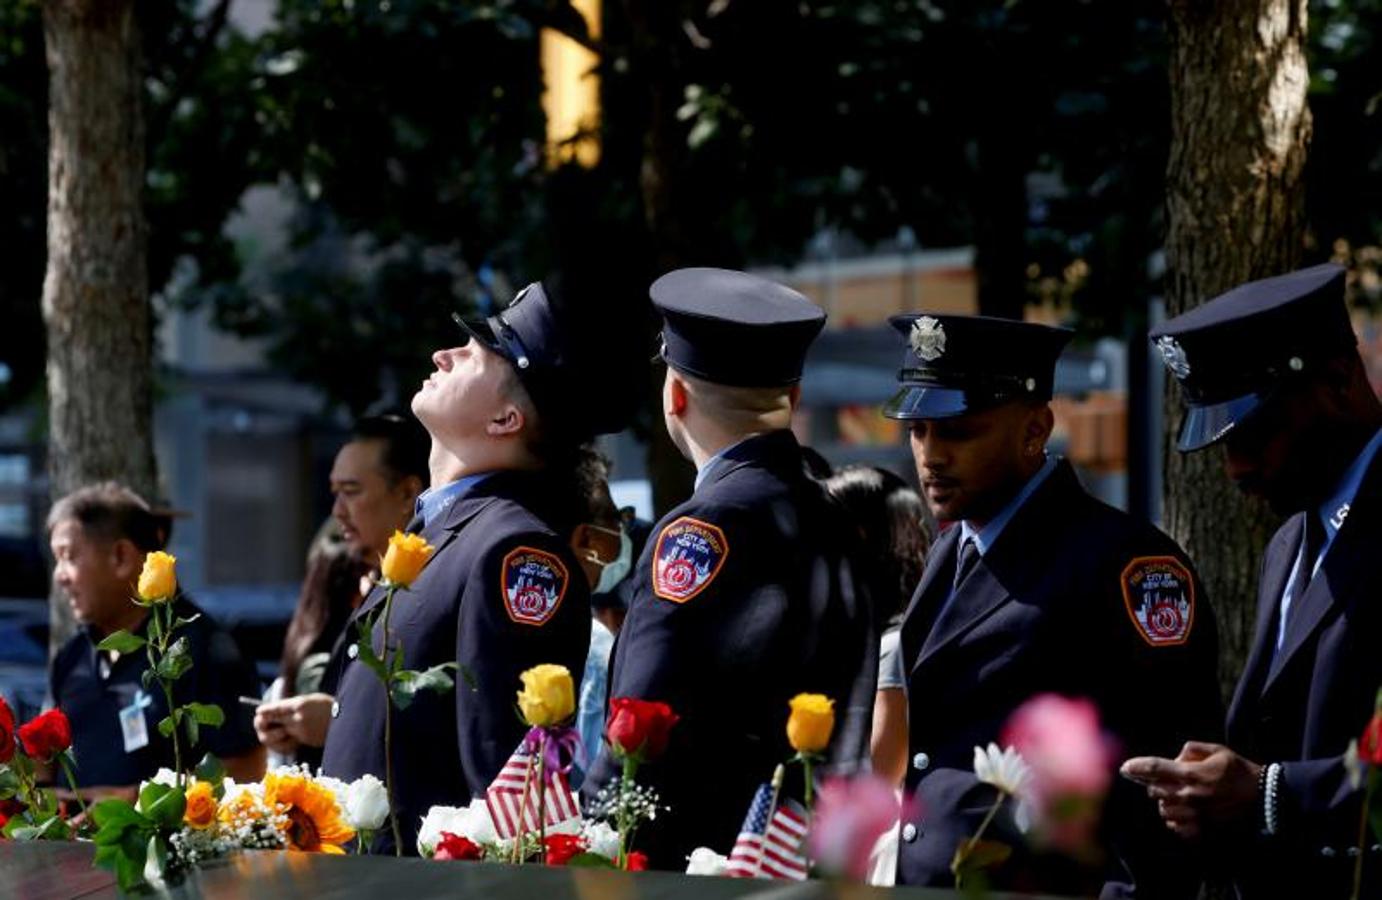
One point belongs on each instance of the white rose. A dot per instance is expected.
(366, 803)
(704, 861)
(165, 777)
(601, 839)
(471, 822)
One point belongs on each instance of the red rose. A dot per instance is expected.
(453, 846)
(46, 735)
(6, 732)
(639, 728)
(636, 862)
(561, 847)
(1370, 744)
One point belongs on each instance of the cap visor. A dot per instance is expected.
(480, 330)
(1205, 425)
(925, 401)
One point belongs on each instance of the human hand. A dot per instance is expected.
(1207, 785)
(283, 725)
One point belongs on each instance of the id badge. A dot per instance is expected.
(133, 726)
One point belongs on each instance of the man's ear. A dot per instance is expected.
(127, 560)
(1038, 429)
(677, 396)
(508, 421)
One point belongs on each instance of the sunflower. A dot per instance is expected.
(315, 822)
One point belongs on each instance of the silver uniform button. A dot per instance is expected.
(353, 651)
(921, 762)
(909, 832)
(1327, 852)
(335, 709)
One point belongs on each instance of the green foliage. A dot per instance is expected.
(213, 772)
(406, 683)
(124, 835)
(121, 642)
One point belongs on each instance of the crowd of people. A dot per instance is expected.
(778, 576)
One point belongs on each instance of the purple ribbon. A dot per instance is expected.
(554, 743)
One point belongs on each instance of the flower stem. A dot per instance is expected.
(806, 763)
(541, 796)
(517, 857)
(624, 817)
(388, 728)
(72, 782)
(161, 640)
(1363, 838)
(968, 846)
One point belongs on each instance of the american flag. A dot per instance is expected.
(505, 797)
(770, 849)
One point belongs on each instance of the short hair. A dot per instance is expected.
(744, 407)
(109, 511)
(406, 444)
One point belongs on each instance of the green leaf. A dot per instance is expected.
(147, 678)
(114, 815)
(9, 782)
(180, 621)
(407, 683)
(365, 645)
(591, 861)
(189, 725)
(166, 726)
(29, 832)
(121, 642)
(177, 661)
(973, 856)
(206, 714)
(163, 805)
(213, 772)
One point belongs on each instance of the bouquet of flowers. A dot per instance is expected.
(529, 813)
(28, 812)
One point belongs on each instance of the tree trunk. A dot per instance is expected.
(658, 38)
(1235, 202)
(95, 292)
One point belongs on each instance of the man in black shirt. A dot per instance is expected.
(99, 536)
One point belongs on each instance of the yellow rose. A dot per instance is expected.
(406, 556)
(201, 806)
(548, 696)
(811, 721)
(159, 580)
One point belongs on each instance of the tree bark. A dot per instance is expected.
(95, 291)
(1236, 211)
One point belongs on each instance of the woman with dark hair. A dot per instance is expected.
(330, 591)
(891, 520)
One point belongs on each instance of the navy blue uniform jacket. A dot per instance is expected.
(473, 604)
(1301, 706)
(744, 596)
(1054, 606)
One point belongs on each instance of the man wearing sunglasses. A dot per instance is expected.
(1271, 371)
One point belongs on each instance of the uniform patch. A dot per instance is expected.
(1160, 597)
(534, 582)
(690, 553)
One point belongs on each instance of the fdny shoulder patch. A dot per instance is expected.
(534, 582)
(1160, 597)
(690, 553)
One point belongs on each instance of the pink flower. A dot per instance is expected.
(1071, 762)
(851, 814)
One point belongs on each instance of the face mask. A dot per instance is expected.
(615, 570)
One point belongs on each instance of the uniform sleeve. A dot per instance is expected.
(527, 603)
(1165, 644)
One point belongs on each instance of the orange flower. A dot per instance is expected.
(315, 821)
(201, 806)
